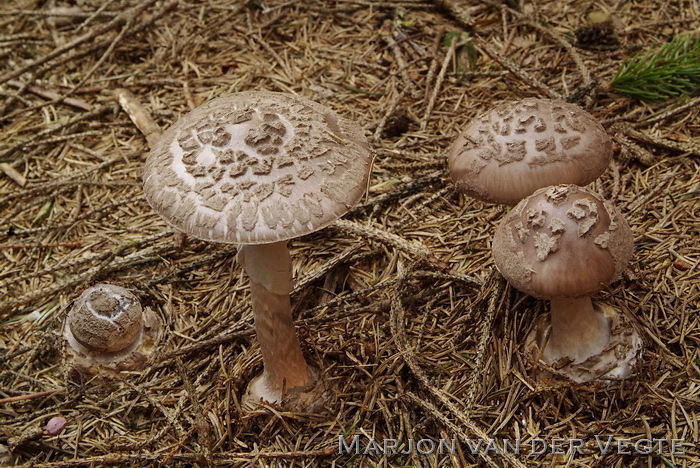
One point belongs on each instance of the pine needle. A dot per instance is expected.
(672, 70)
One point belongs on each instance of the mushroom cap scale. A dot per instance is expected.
(562, 242)
(517, 147)
(257, 167)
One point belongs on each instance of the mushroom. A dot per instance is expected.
(564, 244)
(108, 329)
(258, 169)
(517, 147)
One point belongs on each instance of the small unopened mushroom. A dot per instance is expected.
(259, 168)
(107, 329)
(517, 147)
(564, 244)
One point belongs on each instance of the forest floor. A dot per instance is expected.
(413, 349)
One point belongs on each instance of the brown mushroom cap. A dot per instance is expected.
(517, 147)
(257, 167)
(562, 242)
(106, 318)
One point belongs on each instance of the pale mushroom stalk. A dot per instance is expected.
(257, 169)
(269, 267)
(578, 331)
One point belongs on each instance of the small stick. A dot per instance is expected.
(203, 435)
(390, 110)
(485, 333)
(112, 45)
(199, 346)
(150, 129)
(57, 139)
(691, 104)
(45, 93)
(170, 415)
(75, 264)
(31, 245)
(433, 60)
(263, 43)
(18, 96)
(454, 43)
(413, 248)
(186, 268)
(55, 13)
(38, 188)
(620, 136)
(616, 181)
(136, 112)
(400, 191)
(585, 73)
(191, 103)
(430, 202)
(457, 11)
(665, 143)
(180, 443)
(13, 174)
(327, 267)
(31, 396)
(409, 85)
(415, 51)
(70, 223)
(109, 265)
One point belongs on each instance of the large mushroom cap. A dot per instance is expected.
(257, 167)
(517, 147)
(562, 242)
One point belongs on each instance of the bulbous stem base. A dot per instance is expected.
(578, 331)
(617, 361)
(310, 398)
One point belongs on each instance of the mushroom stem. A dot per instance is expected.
(578, 330)
(269, 267)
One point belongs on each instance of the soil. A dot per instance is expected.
(414, 330)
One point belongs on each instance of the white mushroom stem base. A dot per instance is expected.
(615, 361)
(578, 331)
(286, 380)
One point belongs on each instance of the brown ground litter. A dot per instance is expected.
(419, 336)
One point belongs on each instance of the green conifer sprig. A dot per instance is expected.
(672, 70)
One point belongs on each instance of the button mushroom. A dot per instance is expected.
(107, 329)
(258, 169)
(517, 147)
(564, 244)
